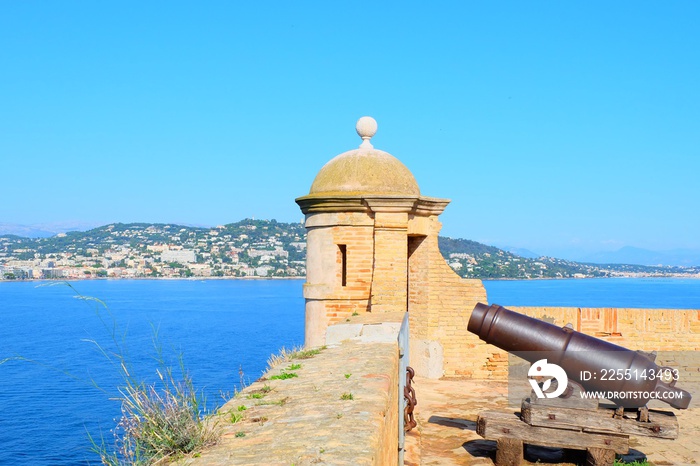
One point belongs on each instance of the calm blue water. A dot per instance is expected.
(48, 404)
(656, 293)
(219, 326)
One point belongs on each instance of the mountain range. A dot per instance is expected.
(626, 255)
(44, 230)
(639, 256)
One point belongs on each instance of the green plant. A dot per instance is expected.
(236, 417)
(255, 396)
(285, 355)
(306, 354)
(266, 389)
(355, 314)
(242, 408)
(282, 356)
(163, 419)
(284, 376)
(293, 367)
(159, 421)
(347, 376)
(281, 402)
(619, 462)
(347, 396)
(240, 434)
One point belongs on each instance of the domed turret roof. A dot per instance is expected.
(365, 170)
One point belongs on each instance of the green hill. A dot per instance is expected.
(260, 248)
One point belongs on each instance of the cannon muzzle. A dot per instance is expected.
(632, 377)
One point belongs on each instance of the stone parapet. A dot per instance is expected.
(342, 409)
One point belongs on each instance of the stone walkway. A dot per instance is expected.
(446, 433)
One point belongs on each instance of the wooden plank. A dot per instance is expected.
(509, 452)
(662, 424)
(493, 425)
(599, 457)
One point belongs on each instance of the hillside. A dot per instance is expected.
(250, 248)
(475, 260)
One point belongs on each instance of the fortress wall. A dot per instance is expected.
(454, 299)
(327, 300)
(440, 303)
(390, 262)
(305, 420)
(674, 333)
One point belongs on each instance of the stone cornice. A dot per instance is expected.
(431, 205)
(334, 203)
(419, 205)
(390, 203)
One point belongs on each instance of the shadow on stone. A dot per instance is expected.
(633, 455)
(481, 448)
(453, 422)
(545, 455)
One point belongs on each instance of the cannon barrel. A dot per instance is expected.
(606, 366)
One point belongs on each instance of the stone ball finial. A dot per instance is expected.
(366, 127)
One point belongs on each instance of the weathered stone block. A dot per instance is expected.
(426, 358)
(341, 332)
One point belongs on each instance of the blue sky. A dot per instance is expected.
(553, 126)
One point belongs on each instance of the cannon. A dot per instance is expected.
(597, 365)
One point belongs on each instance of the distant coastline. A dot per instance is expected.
(254, 249)
(195, 279)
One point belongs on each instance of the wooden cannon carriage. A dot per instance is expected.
(562, 418)
(572, 423)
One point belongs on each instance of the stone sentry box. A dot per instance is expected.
(372, 246)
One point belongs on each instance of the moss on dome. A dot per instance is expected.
(365, 171)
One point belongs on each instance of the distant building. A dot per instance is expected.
(279, 252)
(263, 271)
(183, 256)
(201, 270)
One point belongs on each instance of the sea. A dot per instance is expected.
(61, 344)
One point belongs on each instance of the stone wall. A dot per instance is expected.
(342, 408)
(674, 333)
(439, 306)
(390, 263)
(327, 300)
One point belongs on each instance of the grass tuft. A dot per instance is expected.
(281, 402)
(284, 376)
(286, 355)
(159, 421)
